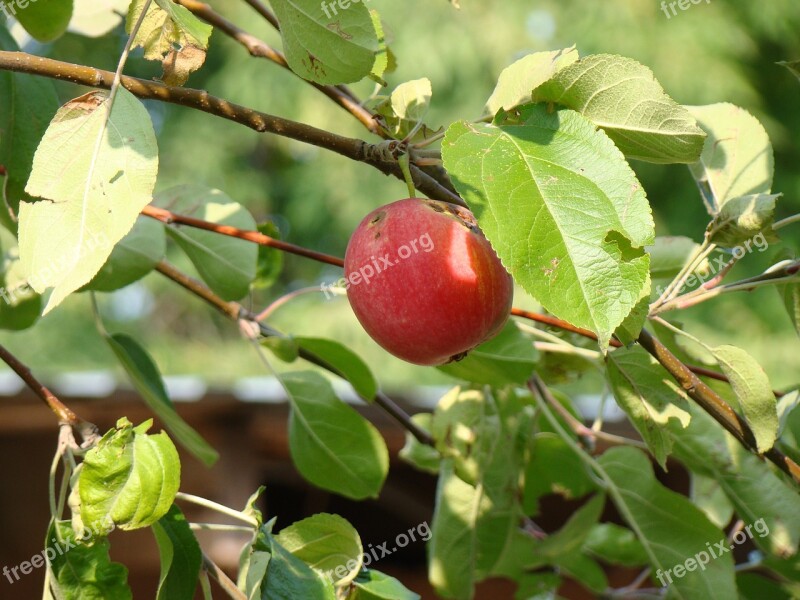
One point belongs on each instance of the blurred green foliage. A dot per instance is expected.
(712, 52)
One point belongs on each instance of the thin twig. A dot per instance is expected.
(169, 217)
(259, 48)
(87, 430)
(225, 582)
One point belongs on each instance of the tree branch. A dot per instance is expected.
(66, 416)
(236, 311)
(379, 156)
(713, 404)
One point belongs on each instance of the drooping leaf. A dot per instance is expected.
(508, 358)
(741, 219)
(421, 456)
(754, 490)
(327, 44)
(518, 80)
(146, 378)
(709, 496)
(270, 260)
(562, 209)
(791, 299)
(623, 97)
(172, 34)
(553, 468)
(333, 446)
(326, 543)
(180, 556)
(754, 392)
(129, 479)
(344, 361)
(98, 170)
(27, 103)
(570, 538)
(670, 528)
(616, 545)
(83, 570)
(383, 53)
(226, 264)
(45, 20)
(737, 154)
(649, 397)
(133, 257)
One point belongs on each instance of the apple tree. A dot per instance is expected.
(538, 189)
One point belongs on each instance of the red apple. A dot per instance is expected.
(424, 282)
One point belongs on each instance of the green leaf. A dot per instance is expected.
(737, 154)
(792, 65)
(562, 209)
(669, 254)
(130, 478)
(327, 44)
(45, 20)
(99, 172)
(743, 218)
(144, 375)
(411, 100)
(374, 585)
(648, 396)
(671, 529)
(507, 358)
(328, 544)
(332, 445)
(570, 538)
(553, 468)
(226, 264)
(20, 306)
(94, 19)
(755, 587)
(421, 456)
(791, 299)
(27, 103)
(345, 362)
(754, 392)
(755, 491)
(180, 555)
(284, 348)
(708, 496)
(288, 576)
(615, 545)
(623, 97)
(172, 34)
(80, 571)
(584, 569)
(518, 80)
(382, 55)
(270, 260)
(133, 257)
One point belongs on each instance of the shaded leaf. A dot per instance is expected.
(344, 361)
(743, 218)
(180, 556)
(45, 20)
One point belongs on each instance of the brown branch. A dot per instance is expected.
(66, 416)
(259, 48)
(168, 217)
(378, 156)
(713, 404)
(236, 311)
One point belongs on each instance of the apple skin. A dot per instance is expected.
(437, 288)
